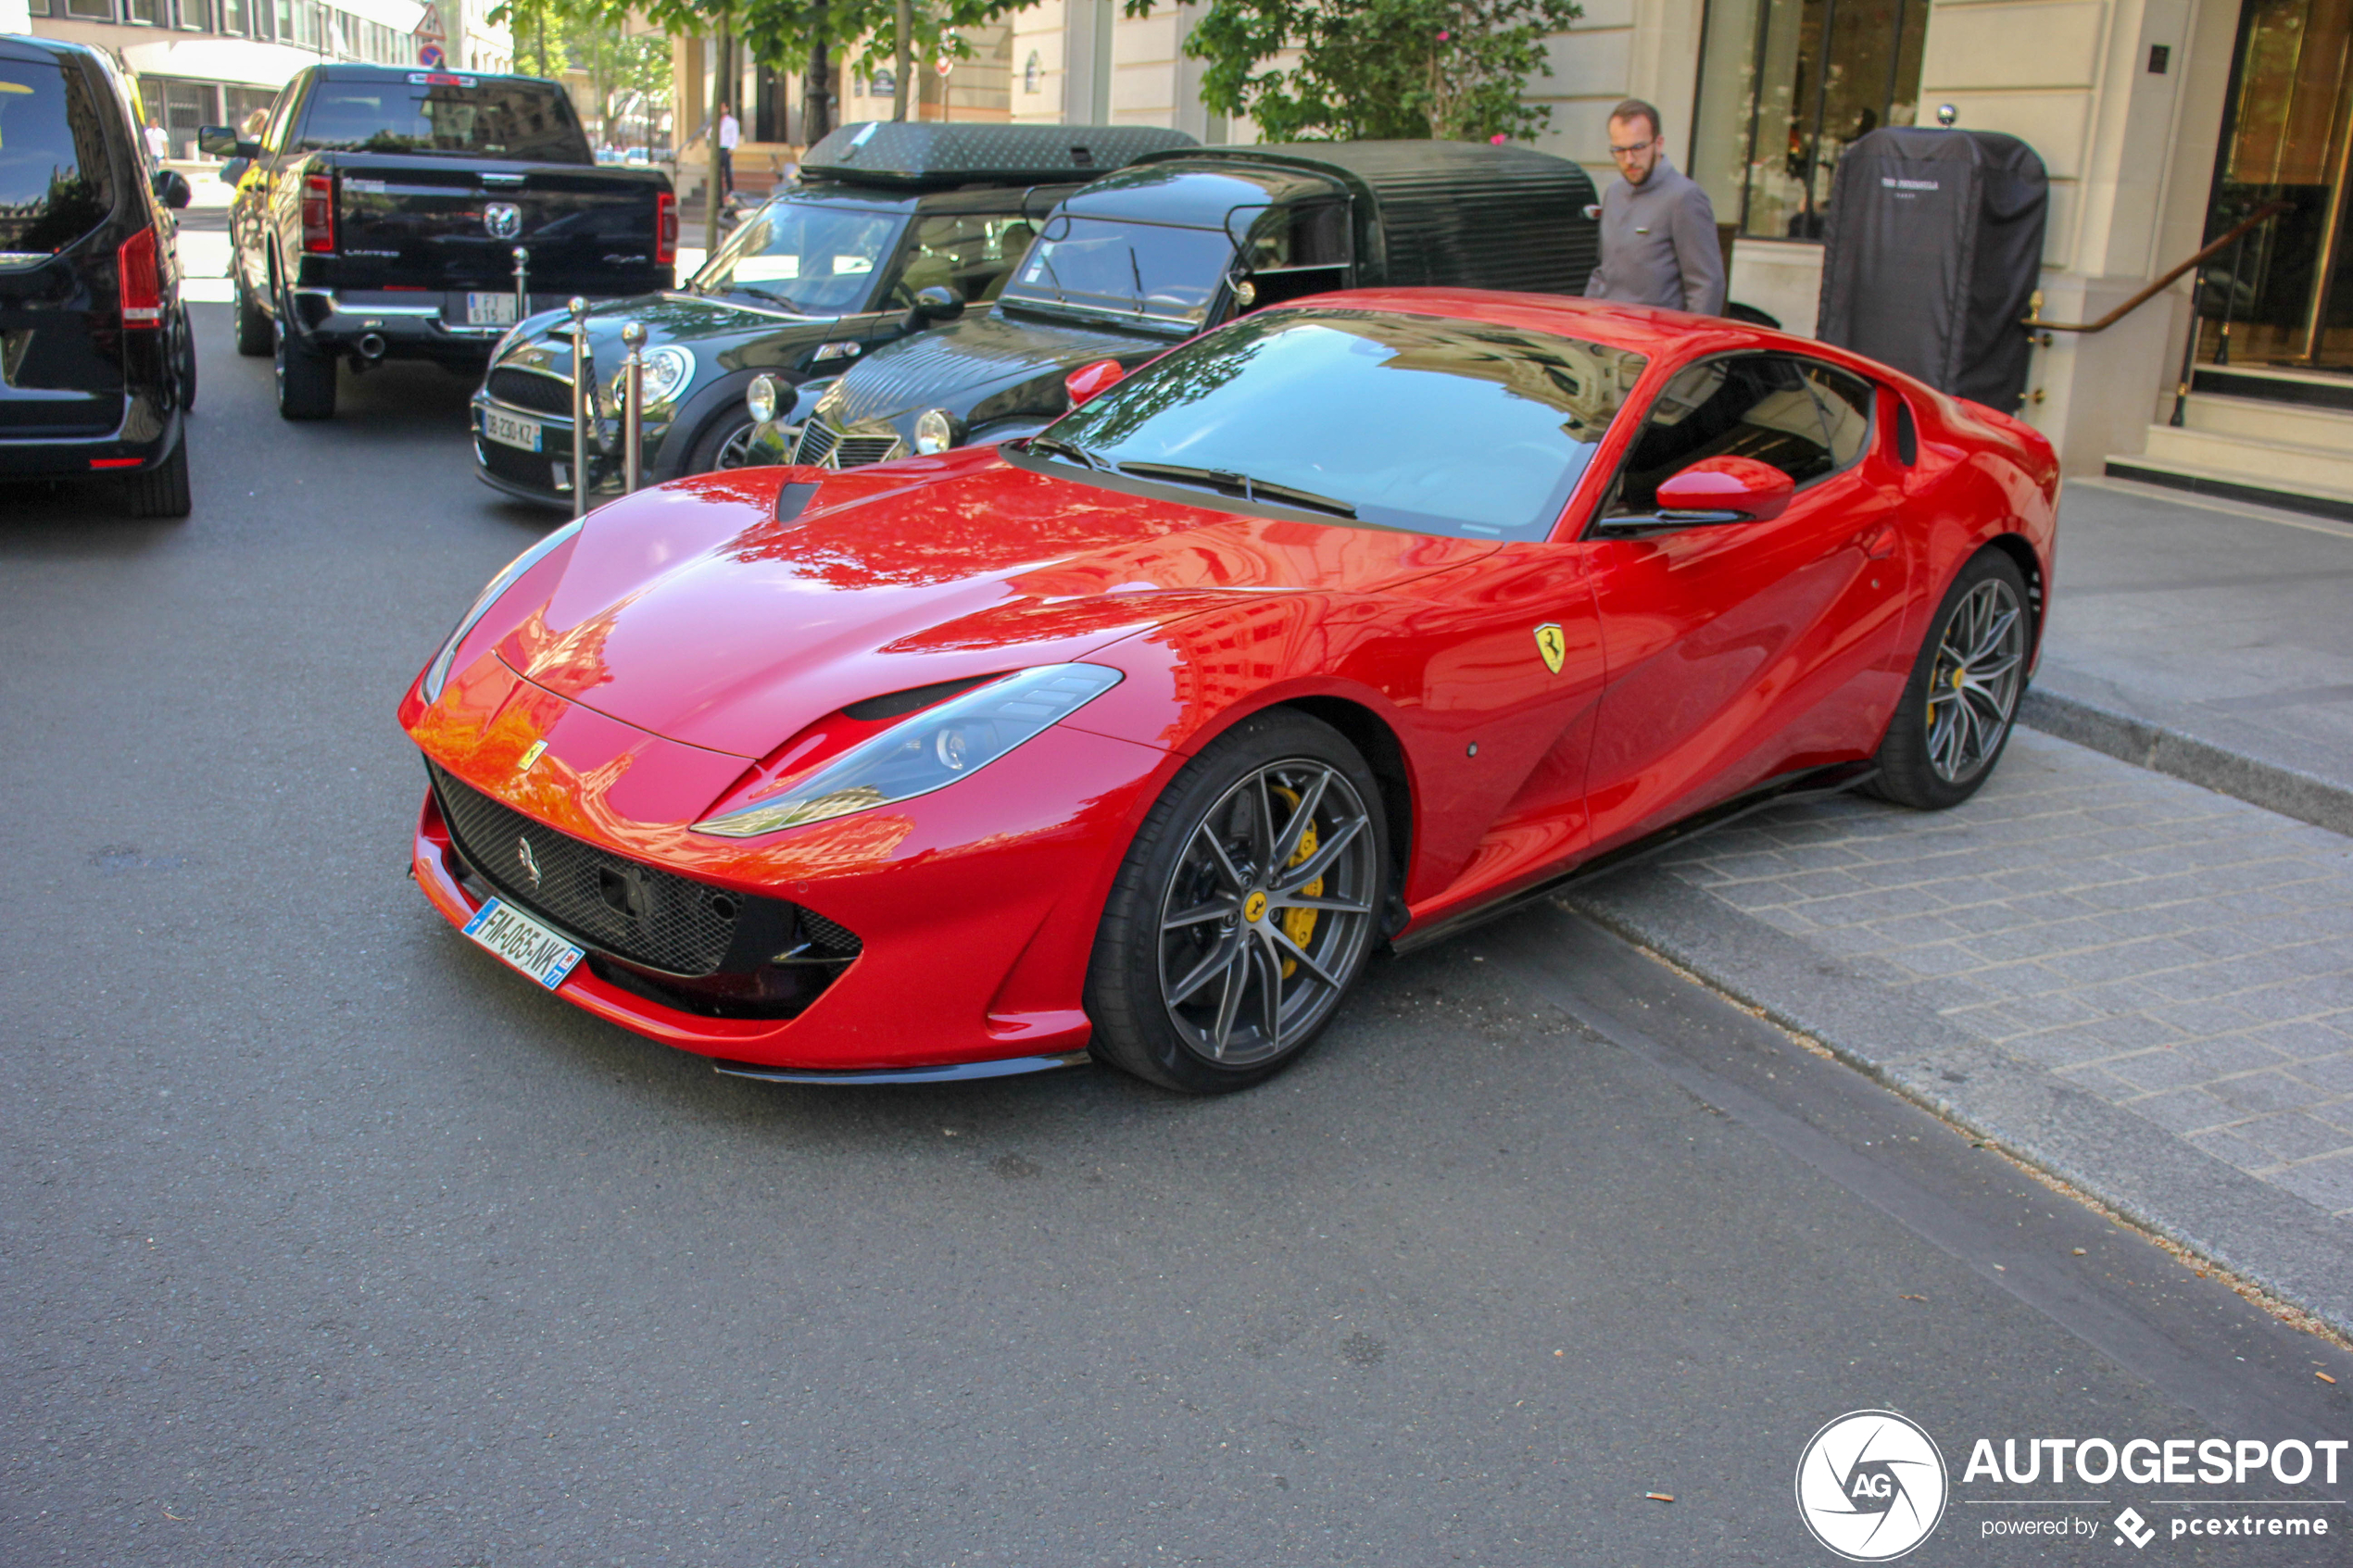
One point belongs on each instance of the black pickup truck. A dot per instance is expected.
(388, 213)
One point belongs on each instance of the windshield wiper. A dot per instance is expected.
(1075, 453)
(1248, 488)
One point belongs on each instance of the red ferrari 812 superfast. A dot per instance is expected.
(1329, 632)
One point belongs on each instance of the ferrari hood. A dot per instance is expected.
(691, 612)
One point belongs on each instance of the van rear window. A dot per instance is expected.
(52, 160)
(438, 114)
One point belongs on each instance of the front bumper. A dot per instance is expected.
(546, 476)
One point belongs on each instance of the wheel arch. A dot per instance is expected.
(2030, 566)
(1385, 755)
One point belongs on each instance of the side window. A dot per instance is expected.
(971, 253)
(1297, 252)
(1846, 409)
(1759, 406)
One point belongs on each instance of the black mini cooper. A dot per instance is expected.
(99, 367)
(889, 228)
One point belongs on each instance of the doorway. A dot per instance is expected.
(2283, 295)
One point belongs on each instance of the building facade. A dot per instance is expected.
(214, 62)
(2162, 122)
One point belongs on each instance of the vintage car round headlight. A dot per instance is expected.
(760, 400)
(936, 431)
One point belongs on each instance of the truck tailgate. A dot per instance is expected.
(413, 222)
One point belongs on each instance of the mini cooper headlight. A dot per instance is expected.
(760, 400)
(438, 673)
(929, 751)
(668, 368)
(935, 431)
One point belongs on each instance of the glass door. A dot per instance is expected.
(2283, 295)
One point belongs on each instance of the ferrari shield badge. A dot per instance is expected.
(1551, 644)
(539, 748)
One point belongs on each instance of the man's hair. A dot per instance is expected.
(1634, 108)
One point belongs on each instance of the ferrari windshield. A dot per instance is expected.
(1157, 272)
(808, 256)
(1408, 421)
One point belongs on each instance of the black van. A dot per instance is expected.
(100, 367)
(1182, 240)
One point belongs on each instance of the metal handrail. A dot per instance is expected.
(2268, 210)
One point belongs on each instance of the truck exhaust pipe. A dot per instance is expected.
(372, 349)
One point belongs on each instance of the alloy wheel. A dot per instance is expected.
(1267, 912)
(735, 451)
(1973, 688)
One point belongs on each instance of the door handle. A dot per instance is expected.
(1879, 543)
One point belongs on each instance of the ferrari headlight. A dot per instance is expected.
(935, 431)
(668, 368)
(438, 673)
(760, 400)
(929, 751)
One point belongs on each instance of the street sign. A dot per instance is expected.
(430, 56)
(428, 28)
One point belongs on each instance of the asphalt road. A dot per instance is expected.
(324, 1239)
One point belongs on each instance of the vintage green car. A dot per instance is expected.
(1182, 240)
(825, 273)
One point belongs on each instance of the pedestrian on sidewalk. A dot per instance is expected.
(1658, 228)
(730, 133)
(158, 146)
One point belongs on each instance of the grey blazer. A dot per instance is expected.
(1659, 246)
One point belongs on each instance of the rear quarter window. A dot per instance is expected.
(54, 185)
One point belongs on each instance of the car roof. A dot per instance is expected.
(914, 153)
(24, 46)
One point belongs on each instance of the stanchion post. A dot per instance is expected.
(522, 283)
(583, 371)
(633, 405)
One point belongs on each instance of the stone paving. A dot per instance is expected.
(2177, 952)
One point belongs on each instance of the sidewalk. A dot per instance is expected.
(2141, 984)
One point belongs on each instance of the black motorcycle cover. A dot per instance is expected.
(1933, 247)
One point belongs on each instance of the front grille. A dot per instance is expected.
(655, 918)
(816, 441)
(529, 389)
(823, 447)
(530, 470)
(857, 451)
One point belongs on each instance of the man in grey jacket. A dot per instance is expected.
(1659, 230)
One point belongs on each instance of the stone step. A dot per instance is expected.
(2273, 383)
(2234, 483)
(2277, 460)
(2250, 418)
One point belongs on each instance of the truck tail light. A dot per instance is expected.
(318, 212)
(140, 281)
(665, 229)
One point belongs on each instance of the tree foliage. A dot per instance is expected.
(1452, 70)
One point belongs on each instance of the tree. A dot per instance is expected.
(1453, 69)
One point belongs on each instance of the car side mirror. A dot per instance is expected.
(1713, 490)
(234, 171)
(1091, 381)
(170, 187)
(936, 304)
(221, 140)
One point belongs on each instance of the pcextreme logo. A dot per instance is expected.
(1871, 1486)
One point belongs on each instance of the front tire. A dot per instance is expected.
(306, 380)
(254, 331)
(1961, 702)
(1245, 910)
(725, 443)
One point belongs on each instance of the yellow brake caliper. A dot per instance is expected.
(1299, 924)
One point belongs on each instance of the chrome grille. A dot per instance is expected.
(816, 442)
(823, 447)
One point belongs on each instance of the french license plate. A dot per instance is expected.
(490, 310)
(508, 431)
(523, 942)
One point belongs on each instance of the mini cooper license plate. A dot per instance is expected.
(523, 942)
(490, 310)
(508, 431)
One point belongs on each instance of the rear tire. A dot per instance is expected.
(253, 331)
(722, 443)
(161, 491)
(306, 380)
(1220, 958)
(1961, 703)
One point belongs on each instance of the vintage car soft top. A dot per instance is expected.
(911, 156)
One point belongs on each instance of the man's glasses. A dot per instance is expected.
(1630, 152)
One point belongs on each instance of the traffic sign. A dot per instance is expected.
(430, 56)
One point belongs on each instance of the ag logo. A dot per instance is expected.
(1870, 1486)
(504, 219)
(1553, 645)
(529, 861)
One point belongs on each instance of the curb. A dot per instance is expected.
(2265, 1236)
(2274, 786)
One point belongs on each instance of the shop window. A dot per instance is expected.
(1784, 87)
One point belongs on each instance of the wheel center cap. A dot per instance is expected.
(1254, 907)
(1960, 674)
